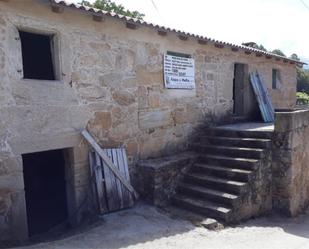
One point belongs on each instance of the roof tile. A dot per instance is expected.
(248, 50)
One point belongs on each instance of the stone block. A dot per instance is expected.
(9, 165)
(154, 119)
(158, 178)
(32, 92)
(81, 178)
(123, 98)
(5, 201)
(180, 115)
(92, 93)
(45, 142)
(154, 101)
(96, 46)
(132, 148)
(101, 120)
(80, 154)
(19, 228)
(194, 112)
(142, 97)
(111, 80)
(14, 181)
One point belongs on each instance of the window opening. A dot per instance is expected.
(37, 56)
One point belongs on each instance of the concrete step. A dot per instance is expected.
(224, 172)
(236, 141)
(238, 133)
(207, 194)
(216, 183)
(230, 151)
(208, 208)
(231, 162)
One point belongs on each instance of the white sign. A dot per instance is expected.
(178, 72)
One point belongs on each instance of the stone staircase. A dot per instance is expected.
(228, 181)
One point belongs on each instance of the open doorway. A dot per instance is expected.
(45, 190)
(239, 90)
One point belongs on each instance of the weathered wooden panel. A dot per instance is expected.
(112, 178)
(108, 162)
(96, 173)
(262, 97)
(113, 196)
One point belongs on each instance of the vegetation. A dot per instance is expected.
(302, 74)
(278, 52)
(255, 45)
(294, 57)
(302, 98)
(302, 80)
(111, 6)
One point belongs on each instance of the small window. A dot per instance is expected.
(275, 77)
(37, 54)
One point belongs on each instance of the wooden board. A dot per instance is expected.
(117, 195)
(96, 173)
(262, 97)
(267, 98)
(110, 170)
(113, 197)
(108, 162)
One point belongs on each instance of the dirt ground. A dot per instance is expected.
(145, 227)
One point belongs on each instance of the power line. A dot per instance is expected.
(155, 6)
(306, 6)
(157, 10)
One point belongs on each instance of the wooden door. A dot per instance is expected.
(238, 89)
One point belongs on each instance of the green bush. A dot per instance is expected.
(302, 98)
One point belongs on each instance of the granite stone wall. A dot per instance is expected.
(110, 81)
(290, 167)
(159, 177)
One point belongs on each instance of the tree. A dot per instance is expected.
(261, 47)
(255, 45)
(302, 80)
(278, 52)
(294, 57)
(111, 6)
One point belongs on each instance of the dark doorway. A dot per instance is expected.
(45, 187)
(37, 54)
(239, 89)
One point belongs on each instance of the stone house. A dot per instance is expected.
(105, 72)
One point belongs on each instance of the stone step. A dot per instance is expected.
(238, 133)
(207, 194)
(195, 218)
(208, 208)
(230, 151)
(236, 141)
(231, 162)
(224, 172)
(216, 183)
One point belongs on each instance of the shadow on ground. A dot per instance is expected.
(145, 227)
(142, 224)
(298, 226)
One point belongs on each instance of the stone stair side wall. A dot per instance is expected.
(257, 200)
(290, 166)
(158, 178)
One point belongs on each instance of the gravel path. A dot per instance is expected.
(143, 227)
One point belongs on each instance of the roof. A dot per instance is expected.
(183, 35)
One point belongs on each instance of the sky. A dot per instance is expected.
(277, 24)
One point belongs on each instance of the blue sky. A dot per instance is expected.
(278, 24)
